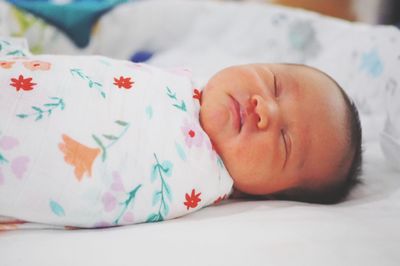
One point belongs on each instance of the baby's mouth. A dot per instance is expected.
(241, 117)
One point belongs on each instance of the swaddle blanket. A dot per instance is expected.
(92, 142)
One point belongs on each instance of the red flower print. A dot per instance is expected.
(197, 95)
(192, 200)
(123, 82)
(217, 201)
(22, 83)
(191, 133)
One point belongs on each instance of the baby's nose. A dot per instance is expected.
(266, 109)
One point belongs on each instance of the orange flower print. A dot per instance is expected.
(123, 82)
(22, 83)
(6, 64)
(79, 156)
(192, 200)
(37, 65)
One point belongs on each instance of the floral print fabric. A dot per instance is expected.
(94, 142)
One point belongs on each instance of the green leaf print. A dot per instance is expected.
(37, 109)
(102, 147)
(163, 195)
(3, 43)
(22, 115)
(121, 123)
(76, 72)
(3, 159)
(154, 217)
(156, 197)
(127, 202)
(111, 138)
(16, 53)
(46, 109)
(178, 104)
(171, 94)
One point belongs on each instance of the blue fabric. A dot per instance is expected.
(76, 18)
(141, 56)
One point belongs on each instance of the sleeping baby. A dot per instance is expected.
(89, 141)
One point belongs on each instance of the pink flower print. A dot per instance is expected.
(6, 64)
(102, 224)
(109, 202)
(181, 72)
(37, 65)
(117, 185)
(128, 218)
(192, 133)
(19, 166)
(8, 143)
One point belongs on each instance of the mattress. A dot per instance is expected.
(206, 36)
(360, 231)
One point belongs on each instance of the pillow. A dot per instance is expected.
(75, 18)
(390, 136)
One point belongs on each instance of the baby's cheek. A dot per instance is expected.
(214, 121)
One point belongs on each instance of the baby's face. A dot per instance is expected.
(275, 126)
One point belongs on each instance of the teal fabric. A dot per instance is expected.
(75, 18)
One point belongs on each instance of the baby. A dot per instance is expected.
(117, 143)
(284, 130)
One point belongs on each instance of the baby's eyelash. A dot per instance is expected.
(275, 87)
(284, 141)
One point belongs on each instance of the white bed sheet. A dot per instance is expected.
(361, 231)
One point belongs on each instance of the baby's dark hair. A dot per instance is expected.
(335, 193)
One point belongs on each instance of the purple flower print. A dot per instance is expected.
(117, 185)
(102, 224)
(192, 133)
(19, 166)
(7, 143)
(128, 218)
(112, 199)
(109, 202)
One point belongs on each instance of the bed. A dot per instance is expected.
(206, 36)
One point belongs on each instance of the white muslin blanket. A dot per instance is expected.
(92, 142)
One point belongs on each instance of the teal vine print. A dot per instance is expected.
(127, 202)
(17, 52)
(92, 84)
(3, 159)
(111, 138)
(164, 195)
(39, 112)
(3, 44)
(178, 104)
(56, 208)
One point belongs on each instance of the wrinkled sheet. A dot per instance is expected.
(206, 36)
